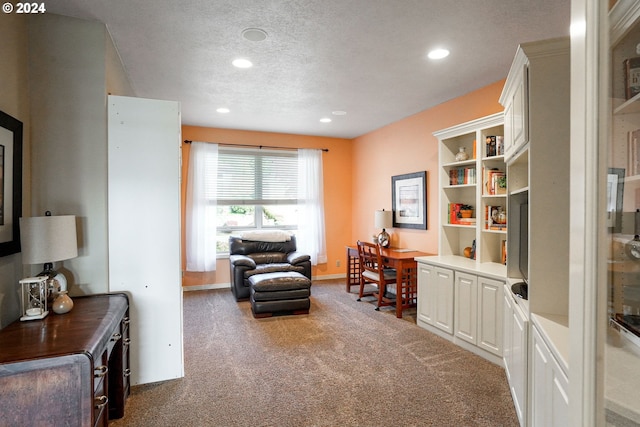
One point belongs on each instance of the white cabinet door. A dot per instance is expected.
(466, 306)
(444, 299)
(519, 348)
(516, 107)
(435, 297)
(507, 332)
(489, 333)
(520, 111)
(549, 386)
(426, 293)
(144, 230)
(508, 131)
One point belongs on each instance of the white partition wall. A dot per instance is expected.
(144, 231)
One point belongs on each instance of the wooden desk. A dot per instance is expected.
(407, 273)
(70, 369)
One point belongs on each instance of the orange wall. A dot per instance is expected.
(408, 146)
(337, 191)
(357, 175)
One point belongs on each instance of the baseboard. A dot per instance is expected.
(330, 277)
(228, 285)
(206, 287)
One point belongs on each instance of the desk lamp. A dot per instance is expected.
(384, 219)
(47, 239)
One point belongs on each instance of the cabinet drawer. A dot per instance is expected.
(120, 372)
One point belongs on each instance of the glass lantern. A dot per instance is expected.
(34, 295)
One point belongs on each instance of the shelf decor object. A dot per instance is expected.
(384, 220)
(33, 297)
(11, 188)
(462, 155)
(62, 304)
(409, 200)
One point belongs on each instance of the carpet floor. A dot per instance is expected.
(343, 364)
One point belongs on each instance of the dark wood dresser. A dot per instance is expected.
(67, 370)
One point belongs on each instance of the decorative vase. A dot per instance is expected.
(63, 303)
(461, 155)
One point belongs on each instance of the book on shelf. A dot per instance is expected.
(503, 252)
(494, 182)
(467, 221)
(494, 145)
(631, 77)
(454, 213)
(473, 249)
(633, 154)
(462, 175)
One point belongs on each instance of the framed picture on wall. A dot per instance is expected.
(615, 194)
(409, 200)
(10, 183)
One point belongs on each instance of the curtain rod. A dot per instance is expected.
(188, 141)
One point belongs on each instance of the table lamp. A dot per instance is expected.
(384, 219)
(47, 239)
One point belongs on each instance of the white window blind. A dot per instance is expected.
(249, 177)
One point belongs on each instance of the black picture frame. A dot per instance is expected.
(11, 131)
(409, 200)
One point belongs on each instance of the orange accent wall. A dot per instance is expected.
(357, 175)
(408, 146)
(337, 192)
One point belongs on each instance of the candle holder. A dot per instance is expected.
(34, 295)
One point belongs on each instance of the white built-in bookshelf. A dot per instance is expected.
(479, 182)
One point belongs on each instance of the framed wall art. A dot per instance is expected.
(409, 200)
(10, 183)
(615, 194)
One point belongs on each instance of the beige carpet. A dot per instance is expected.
(344, 364)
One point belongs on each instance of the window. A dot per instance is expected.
(256, 189)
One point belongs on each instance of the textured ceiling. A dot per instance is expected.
(365, 57)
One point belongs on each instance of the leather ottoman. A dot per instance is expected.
(279, 293)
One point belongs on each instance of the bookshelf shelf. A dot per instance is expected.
(479, 138)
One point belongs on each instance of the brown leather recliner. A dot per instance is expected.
(250, 257)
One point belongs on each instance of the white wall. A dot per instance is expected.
(14, 101)
(71, 63)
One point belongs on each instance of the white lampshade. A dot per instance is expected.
(47, 239)
(384, 219)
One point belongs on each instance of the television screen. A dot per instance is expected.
(523, 261)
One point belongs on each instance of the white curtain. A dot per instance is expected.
(201, 207)
(310, 236)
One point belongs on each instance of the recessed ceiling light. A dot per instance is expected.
(242, 63)
(325, 120)
(438, 54)
(254, 34)
(339, 113)
(223, 110)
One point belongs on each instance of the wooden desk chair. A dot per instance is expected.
(372, 271)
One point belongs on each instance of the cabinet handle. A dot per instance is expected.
(101, 402)
(127, 372)
(126, 341)
(116, 336)
(100, 371)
